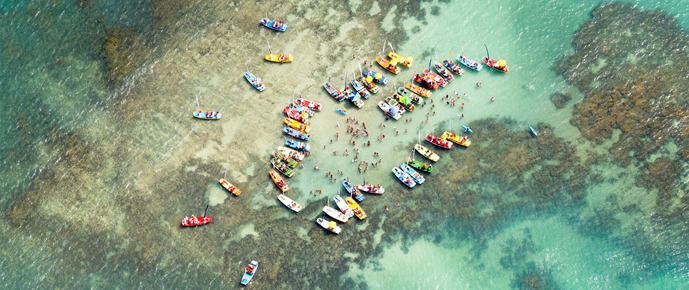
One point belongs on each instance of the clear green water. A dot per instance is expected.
(52, 85)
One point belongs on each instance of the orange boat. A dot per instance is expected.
(279, 181)
(230, 187)
(387, 65)
(418, 90)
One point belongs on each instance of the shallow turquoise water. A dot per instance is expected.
(52, 80)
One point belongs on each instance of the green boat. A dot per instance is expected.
(285, 159)
(425, 167)
(282, 168)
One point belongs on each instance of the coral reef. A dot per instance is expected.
(560, 100)
(123, 50)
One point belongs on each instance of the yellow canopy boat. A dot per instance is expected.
(454, 138)
(279, 57)
(405, 61)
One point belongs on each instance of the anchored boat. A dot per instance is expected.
(249, 272)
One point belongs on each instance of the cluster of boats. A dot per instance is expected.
(349, 206)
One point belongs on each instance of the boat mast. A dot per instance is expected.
(384, 43)
(270, 51)
(487, 54)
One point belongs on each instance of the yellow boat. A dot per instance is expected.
(279, 57)
(292, 123)
(454, 138)
(405, 61)
(356, 208)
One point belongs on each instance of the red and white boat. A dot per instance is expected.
(426, 81)
(309, 104)
(301, 117)
(436, 77)
(435, 140)
(195, 221)
(446, 74)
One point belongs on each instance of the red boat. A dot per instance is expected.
(500, 65)
(437, 78)
(447, 75)
(309, 104)
(426, 81)
(194, 221)
(435, 140)
(301, 117)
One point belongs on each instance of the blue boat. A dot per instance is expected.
(302, 109)
(298, 145)
(377, 77)
(402, 176)
(296, 133)
(467, 129)
(352, 190)
(341, 111)
(276, 25)
(333, 92)
(470, 63)
(255, 81)
(207, 115)
(249, 272)
(533, 131)
(411, 172)
(363, 92)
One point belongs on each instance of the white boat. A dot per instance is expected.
(249, 272)
(390, 110)
(328, 225)
(411, 172)
(296, 155)
(336, 214)
(371, 188)
(288, 202)
(404, 177)
(342, 205)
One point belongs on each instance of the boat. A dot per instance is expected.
(353, 191)
(500, 65)
(454, 138)
(392, 101)
(282, 167)
(333, 92)
(301, 109)
(308, 103)
(195, 221)
(391, 111)
(289, 203)
(423, 166)
(254, 81)
(426, 81)
(298, 145)
(279, 57)
(294, 154)
(297, 125)
(341, 111)
(356, 208)
(387, 65)
(336, 214)
(377, 77)
(403, 177)
(359, 87)
(446, 74)
(436, 77)
(405, 101)
(418, 90)
(405, 61)
(301, 117)
(533, 131)
(354, 97)
(371, 188)
(278, 180)
(296, 133)
(470, 63)
(328, 225)
(285, 158)
(368, 84)
(416, 99)
(467, 129)
(438, 142)
(207, 115)
(276, 25)
(418, 178)
(425, 152)
(230, 187)
(342, 205)
(453, 67)
(249, 272)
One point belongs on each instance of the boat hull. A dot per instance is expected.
(342, 205)
(494, 64)
(336, 214)
(356, 208)
(230, 187)
(272, 25)
(279, 57)
(249, 272)
(278, 180)
(199, 221)
(289, 203)
(435, 140)
(403, 177)
(207, 116)
(328, 225)
(384, 63)
(425, 152)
